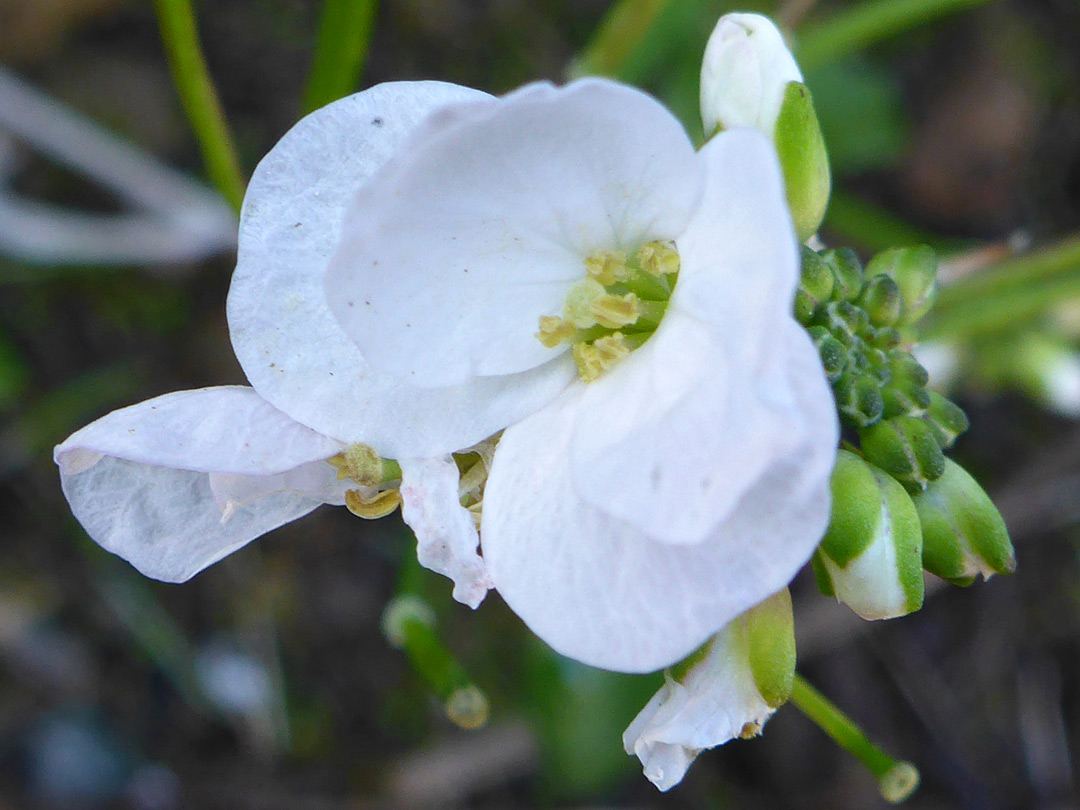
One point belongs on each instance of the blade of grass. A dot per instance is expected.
(341, 49)
(199, 98)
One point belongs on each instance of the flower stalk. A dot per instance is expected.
(199, 98)
(345, 30)
(897, 779)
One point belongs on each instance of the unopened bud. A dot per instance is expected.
(914, 270)
(906, 448)
(946, 418)
(858, 398)
(905, 400)
(871, 556)
(833, 353)
(963, 533)
(847, 272)
(880, 298)
(815, 285)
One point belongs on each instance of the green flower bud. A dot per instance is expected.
(871, 555)
(906, 448)
(858, 398)
(833, 353)
(914, 270)
(770, 643)
(946, 418)
(963, 533)
(847, 272)
(885, 338)
(880, 298)
(907, 369)
(905, 401)
(844, 320)
(815, 285)
(803, 159)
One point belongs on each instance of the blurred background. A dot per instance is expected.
(266, 682)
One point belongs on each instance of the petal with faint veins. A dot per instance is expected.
(176, 483)
(480, 226)
(447, 539)
(290, 345)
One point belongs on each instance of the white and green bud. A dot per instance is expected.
(750, 79)
(871, 557)
(906, 448)
(914, 270)
(727, 689)
(963, 533)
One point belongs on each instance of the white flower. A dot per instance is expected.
(745, 73)
(637, 514)
(178, 482)
(730, 691)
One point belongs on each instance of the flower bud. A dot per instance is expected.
(963, 533)
(833, 353)
(914, 270)
(880, 298)
(727, 689)
(750, 79)
(815, 285)
(946, 418)
(858, 398)
(871, 556)
(906, 448)
(847, 272)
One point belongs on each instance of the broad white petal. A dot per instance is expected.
(446, 535)
(290, 345)
(716, 700)
(176, 483)
(598, 589)
(674, 437)
(479, 226)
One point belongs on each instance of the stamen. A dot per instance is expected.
(615, 311)
(659, 258)
(362, 463)
(579, 299)
(593, 359)
(607, 268)
(376, 506)
(555, 331)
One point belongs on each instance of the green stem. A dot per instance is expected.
(200, 101)
(341, 49)
(624, 26)
(897, 780)
(1010, 292)
(862, 24)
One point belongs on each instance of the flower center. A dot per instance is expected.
(615, 308)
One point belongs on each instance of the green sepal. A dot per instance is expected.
(906, 448)
(859, 400)
(904, 400)
(869, 506)
(946, 418)
(880, 298)
(803, 159)
(914, 269)
(770, 645)
(964, 534)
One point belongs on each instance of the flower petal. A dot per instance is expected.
(706, 406)
(290, 345)
(598, 589)
(176, 483)
(446, 534)
(717, 700)
(480, 225)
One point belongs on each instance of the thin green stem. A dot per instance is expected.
(200, 101)
(623, 27)
(1007, 294)
(862, 24)
(341, 50)
(897, 780)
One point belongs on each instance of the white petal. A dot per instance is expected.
(673, 438)
(446, 534)
(481, 224)
(290, 345)
(176, 483)
(600, 590)
(716, 700)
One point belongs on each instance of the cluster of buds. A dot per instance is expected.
(899, 505)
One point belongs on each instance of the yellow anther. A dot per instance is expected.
(749, 731)
(579, 299)
(607, 268)
(376, 506)
(555, 331)
(659, 258)
(360, 463)
(593, 359)
(615, 311)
